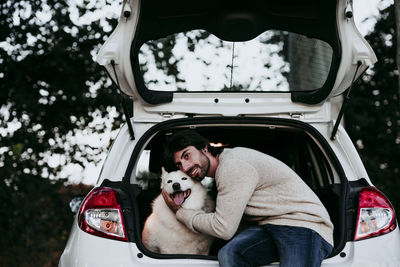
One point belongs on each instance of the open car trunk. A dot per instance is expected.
(297, 144)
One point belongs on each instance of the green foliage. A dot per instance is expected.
(47, 83)
(50, 89)
(373, 116)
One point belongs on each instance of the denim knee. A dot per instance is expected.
(225, 253)
(229, 255)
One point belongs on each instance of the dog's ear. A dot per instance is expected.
(163, 174)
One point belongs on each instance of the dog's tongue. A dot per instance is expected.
(179, 198)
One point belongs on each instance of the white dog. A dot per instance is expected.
(162, 232)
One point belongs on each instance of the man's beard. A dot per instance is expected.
(203, 168)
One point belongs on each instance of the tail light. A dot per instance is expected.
(101, 214)
(376, 215)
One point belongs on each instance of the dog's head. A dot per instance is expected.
(178, 185)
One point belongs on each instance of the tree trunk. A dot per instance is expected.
(397, 19)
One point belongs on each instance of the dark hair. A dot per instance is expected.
(182, 139)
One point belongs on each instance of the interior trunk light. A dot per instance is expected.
(101, 214)
(375, 216)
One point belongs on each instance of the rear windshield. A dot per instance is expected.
(198, 61)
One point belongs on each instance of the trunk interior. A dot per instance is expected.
(297, 144)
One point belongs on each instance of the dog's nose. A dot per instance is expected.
(176, 186)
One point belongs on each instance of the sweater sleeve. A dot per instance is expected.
(236, 181)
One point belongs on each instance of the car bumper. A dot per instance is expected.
(88, 250)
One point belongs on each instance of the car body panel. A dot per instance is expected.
(227, 105)
(343, 147)
(118, 157)
(370, 252)
(84, 249)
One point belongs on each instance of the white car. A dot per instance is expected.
(257, 73)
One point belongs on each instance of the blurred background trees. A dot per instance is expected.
(53, 94)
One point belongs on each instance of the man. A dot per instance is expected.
(293, 227)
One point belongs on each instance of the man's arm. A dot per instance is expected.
(236, 183)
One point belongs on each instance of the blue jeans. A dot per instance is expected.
(261, 245)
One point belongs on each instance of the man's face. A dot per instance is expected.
(193, 162)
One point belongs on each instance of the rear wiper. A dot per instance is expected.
(344, 105)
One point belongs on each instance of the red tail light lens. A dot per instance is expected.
(101, 214)
(376, 215)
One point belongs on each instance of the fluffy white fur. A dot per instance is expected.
(162, 232)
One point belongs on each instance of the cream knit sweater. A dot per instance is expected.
(262, 189)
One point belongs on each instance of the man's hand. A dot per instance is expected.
(170, 203)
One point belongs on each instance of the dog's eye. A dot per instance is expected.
(184, 178)
(169, 181)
